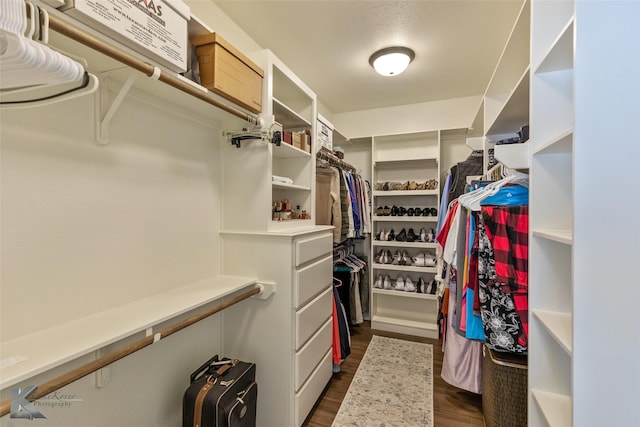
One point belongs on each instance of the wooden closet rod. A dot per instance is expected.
(88, 40)
(88, 368)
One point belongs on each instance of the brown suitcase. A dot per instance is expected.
(223, 393)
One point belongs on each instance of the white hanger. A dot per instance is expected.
(472, 200)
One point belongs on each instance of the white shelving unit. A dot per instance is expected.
(505, 105)
(292, 104)
(401, 158)
(584, 93)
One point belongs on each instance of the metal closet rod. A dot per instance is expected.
(88, 368)
(88, 40)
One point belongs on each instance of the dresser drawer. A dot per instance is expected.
(309, 393)
(313, 247)
(311, 280)
(312, 316)
(308, 357)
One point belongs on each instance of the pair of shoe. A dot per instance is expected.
(382, 282)
(427, 288)
(427, 237)
(383, 211)
(388, 186)
(401, 258)
(386, 236)
(404, 285)
(383, 257)
(406, 236)
(424, 259)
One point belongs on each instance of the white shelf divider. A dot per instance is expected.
(561, 144)
(556, 408)
(404, 294)
(405, 218)
(514, 156)
(560, 236)
(284, 186)
(420, 245)
(409, 268)
(559, 326)
(406, 193)
(79, 337)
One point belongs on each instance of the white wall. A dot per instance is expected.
(446, 114)
(87, 227)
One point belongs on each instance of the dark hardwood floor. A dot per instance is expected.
(453, 407)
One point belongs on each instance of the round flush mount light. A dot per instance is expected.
(391, 61)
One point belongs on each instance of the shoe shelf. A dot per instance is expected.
(435, 192)
(399, 325)
(409, 163)
(405, 218)
(419, 245)
(404, 294)
(408, 268)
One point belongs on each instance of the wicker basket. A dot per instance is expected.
(504, 389)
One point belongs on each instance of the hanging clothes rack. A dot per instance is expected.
(61, 26)
(326, 155)
(90, 367)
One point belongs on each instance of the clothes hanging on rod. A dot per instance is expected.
(483, 244)
(341, 337)
(351, 270)
(343, 199)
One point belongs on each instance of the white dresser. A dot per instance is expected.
(288, 336)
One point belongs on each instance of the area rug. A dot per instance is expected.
(393, 386)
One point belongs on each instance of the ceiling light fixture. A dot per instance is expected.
(391, 61)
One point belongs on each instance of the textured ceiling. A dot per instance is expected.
(327, 43)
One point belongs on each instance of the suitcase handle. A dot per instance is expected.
(202, 369)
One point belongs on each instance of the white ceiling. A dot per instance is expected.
(327, 43)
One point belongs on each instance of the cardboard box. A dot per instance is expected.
(157, 29)
(226, 71)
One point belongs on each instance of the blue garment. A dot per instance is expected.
(475, 329)
(444, 203)
(514, 195)
(354, 203)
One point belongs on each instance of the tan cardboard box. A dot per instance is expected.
(226, 71)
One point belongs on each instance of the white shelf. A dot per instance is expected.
(515, 111)
(560, 55)
(404, 323)
(288, 118)
(514, 156)
(405, 193)
(404, 294)
(411, 163)
(408, 268)
(560, 236)
(559, 326)
(419, 245)
(52, 347)
(288, 151)
(561, 144)
(283, 186)
(405, 218)
(556, 408)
